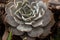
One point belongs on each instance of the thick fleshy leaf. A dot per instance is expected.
(11, 21)
(27, 38)
(19, 21)
(37, 23)
(33, 4)
(31, 1)
(7, 7)
(18, 15)
(47, 29)
(40, 4)
(47, 18)
(29, 23)
(18, 0)
(14, 9)
(19, 4)
(10, 7)
(40, 14)
(16, 32)
(36, 32)
(44, 21)
(25, 28)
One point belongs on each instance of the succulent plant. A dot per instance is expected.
(30, 16)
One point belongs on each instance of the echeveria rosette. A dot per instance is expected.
(32, 18)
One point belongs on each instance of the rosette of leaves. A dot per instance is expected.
(32, 17)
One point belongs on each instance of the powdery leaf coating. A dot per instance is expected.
(28, 16)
